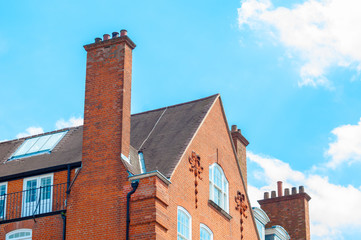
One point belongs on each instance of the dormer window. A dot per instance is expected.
(38, 145)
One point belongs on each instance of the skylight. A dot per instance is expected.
(37, 145)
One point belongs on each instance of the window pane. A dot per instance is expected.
(218, 187)
(2, 207)
(46, 188)
(217, 178)
(25, 147)
(205, 235)
(31, 190)
(53, 140)
(2, 189)
(25, 235)
(38, 144)
(183, 226)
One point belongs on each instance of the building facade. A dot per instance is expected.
(172, 173)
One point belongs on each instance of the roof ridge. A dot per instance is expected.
(177, 105)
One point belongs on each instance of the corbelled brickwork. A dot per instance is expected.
(289, 211)
(97, 202)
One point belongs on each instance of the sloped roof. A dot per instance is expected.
(162, 135)
(67, 151)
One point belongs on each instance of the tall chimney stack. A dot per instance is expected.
(240, 144)
(99, 188)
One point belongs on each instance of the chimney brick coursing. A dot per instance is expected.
(97, 201)
(289, 211)
(240, 144)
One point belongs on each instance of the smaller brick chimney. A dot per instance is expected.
(289, 211)
(240, 143)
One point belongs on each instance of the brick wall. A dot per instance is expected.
(44, 228)
(154, 205)
(48, 227)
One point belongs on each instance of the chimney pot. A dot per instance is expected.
(239, 130)
(294, 190)
(273, 194)
(234, 128)
(287, 191)
(279, 188)
(301, 189)
(266, 195)
(106, 37)
(123, 32)
(115, 34)
(98, 40)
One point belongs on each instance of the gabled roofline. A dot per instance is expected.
(231, 141)
(195, 133)
(239, 167)
(176, 105)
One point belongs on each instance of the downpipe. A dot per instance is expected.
(134, 188)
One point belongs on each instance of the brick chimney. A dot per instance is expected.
(96, 200)
(240, 143)
(289, 211)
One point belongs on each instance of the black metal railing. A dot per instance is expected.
(32, 202)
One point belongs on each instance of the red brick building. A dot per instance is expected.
(172, 173)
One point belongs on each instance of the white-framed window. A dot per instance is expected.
(20, 234)
(37, 195)
(184, 224)
(206, 233)
(3, 192)
(218, 187)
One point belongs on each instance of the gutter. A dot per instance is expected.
(134, 186)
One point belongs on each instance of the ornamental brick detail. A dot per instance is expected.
(197, 169)
(241, 207)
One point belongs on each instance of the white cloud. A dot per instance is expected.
(321, 33)
(333, 208)
(347, 146)
(72, 122)
(30, 131)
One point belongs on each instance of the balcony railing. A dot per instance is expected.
(32, 202)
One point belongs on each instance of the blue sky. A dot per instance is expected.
(288, 73)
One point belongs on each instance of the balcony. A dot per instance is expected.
(32, 203)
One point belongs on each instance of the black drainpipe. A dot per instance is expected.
(134, 186)
(63, 214)
(68, 182)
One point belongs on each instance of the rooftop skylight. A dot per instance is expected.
(38, 145)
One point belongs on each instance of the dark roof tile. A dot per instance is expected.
(162, 135)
